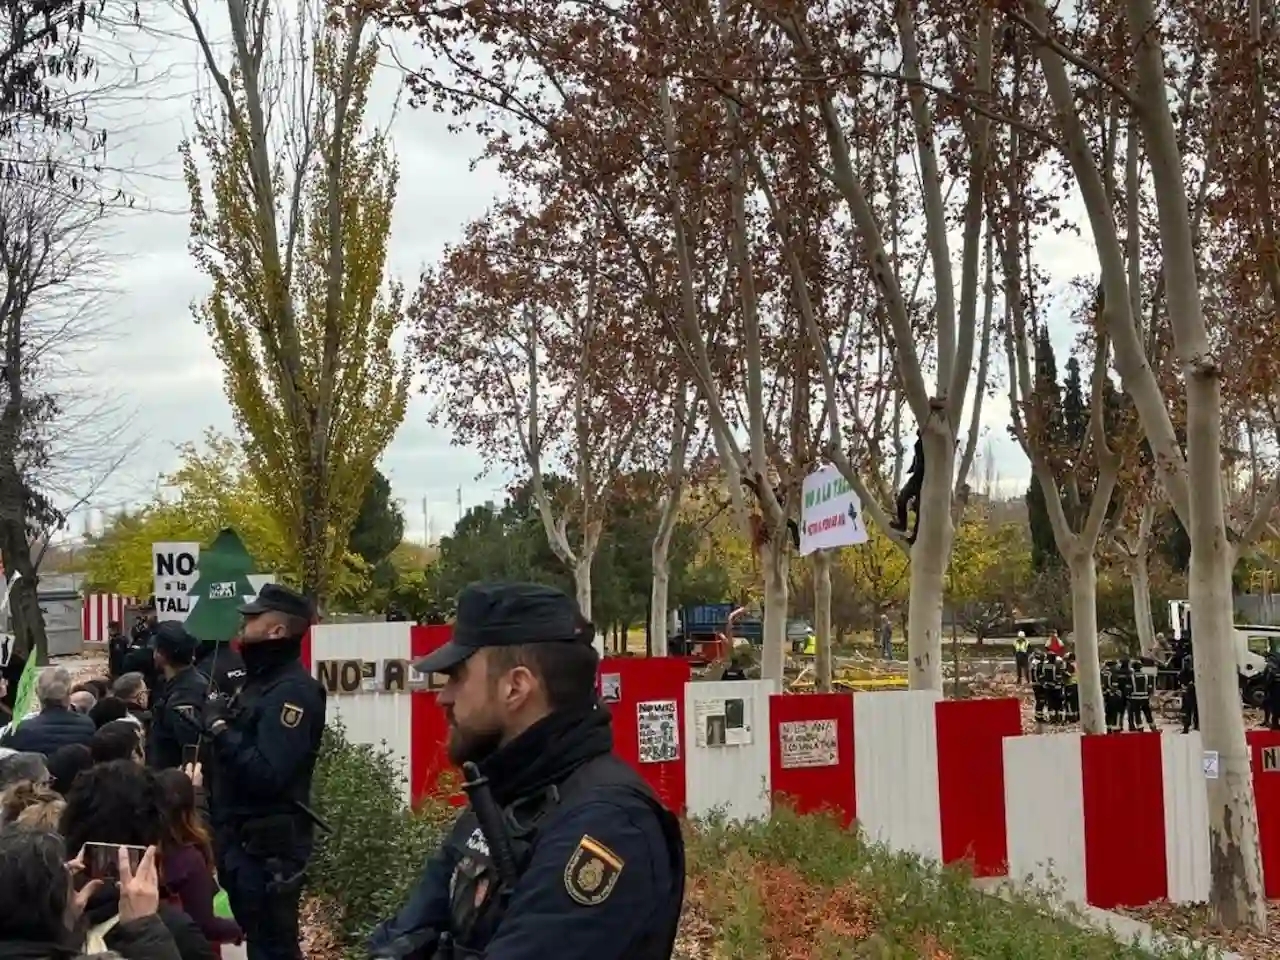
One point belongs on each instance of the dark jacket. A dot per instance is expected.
(185, 940)
(51, 728)
(222, 665)
(144, 939)
(175, 718)
(189, 878)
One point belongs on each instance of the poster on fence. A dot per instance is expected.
(722, 722)
(659, 728)
(807, 743)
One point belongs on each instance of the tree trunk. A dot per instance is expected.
(1140, 582)
(929, 565)
(822, 620)
(1084, 627)
(659, 602)
(1236, 887)
(773, 657)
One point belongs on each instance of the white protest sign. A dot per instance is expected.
(807, 743)
(175, 567)
(830, 513)
(658, 731)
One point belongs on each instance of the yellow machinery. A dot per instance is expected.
(849, 679)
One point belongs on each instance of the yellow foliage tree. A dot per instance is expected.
(292, 228)
(214, 490)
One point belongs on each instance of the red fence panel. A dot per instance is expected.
(430, 772)
(1125, 860)
(811, 752)
(626, 682)
(1264, 748)
(971, 780)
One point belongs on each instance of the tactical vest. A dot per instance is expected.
(476, 907)
(1141, 685)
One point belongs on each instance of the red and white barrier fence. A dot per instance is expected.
(100, 610)
(1112, 820)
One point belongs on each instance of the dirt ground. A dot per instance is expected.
(1193, 921)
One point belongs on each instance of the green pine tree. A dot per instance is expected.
(221, 589)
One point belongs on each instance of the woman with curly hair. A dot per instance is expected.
(31, 804)
(121, 803)
(188, 858)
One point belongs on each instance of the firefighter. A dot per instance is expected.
(1113, 698)
(1190, 707)
(1071, 688)
(1053, 675)
(1272, 703)
(1021, 648)
(1035, 670)
(1140, 697)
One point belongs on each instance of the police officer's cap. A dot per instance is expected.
(171, 638)
(508, 614)
(273, 598)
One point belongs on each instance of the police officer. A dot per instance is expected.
(1190, 706)
(117, 645)
(263, 747)
(585, 863)
(222, 665)
(179, 701)
(1140, 697)
(1020, 657)
(137, 657)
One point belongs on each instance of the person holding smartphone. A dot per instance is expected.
(263, 747)
(180, 697)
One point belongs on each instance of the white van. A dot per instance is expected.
(1253, 644)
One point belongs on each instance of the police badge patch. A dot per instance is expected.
(291, 715)
(592, 872)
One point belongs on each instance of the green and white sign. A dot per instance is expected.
(204, 587)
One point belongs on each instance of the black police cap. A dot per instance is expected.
(506, 615)
(273, 598)
(170, 637)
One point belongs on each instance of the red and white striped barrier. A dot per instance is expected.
(1111, 820)
(98, 611)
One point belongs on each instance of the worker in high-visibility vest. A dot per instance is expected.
(1021, 656)
(811, 645)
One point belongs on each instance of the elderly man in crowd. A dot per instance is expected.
(56, 724)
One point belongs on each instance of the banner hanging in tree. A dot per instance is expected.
(830, 513)
(205, 587)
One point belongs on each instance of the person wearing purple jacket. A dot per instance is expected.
(188, 857)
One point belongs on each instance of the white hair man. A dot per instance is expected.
(56, 725)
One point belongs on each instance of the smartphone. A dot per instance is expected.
(190, 754)
(102, 860)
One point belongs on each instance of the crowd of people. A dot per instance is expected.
(157, 812)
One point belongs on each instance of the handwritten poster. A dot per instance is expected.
(722, 722)
(659, 728)
(807, 743)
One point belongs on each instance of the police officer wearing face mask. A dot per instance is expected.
(579, 861)
(263, 747)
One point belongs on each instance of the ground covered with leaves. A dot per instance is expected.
(1195, 922)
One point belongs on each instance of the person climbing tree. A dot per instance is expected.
(910, 493)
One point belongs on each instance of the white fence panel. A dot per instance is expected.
(895, 749)
(1186, 817)
(733, 777)
(1044, 812)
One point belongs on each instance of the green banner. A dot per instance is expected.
(24, 701)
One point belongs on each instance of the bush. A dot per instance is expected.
(366, 867)
(801, 883)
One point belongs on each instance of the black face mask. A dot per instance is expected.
(265, 656)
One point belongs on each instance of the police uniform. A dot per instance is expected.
(596, 863)
(222, 664)
(263, 747)
(1190, 705)
(179, 700)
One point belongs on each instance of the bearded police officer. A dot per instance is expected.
(263, 747)
(564, 851)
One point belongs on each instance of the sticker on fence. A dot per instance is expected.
(808, 743)
(722, 722)
(659, 730)
(610, 687)
(1210, 764)
(1271, 759)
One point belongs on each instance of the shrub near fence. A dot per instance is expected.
(366, 867)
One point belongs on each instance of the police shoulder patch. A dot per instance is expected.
(592, 872)
(291, 715)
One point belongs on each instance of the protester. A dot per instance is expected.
(22, 766)
(56, 724)
(65, 763)
(133, 690)
(117, 740)
(38, 911)
(120, 803)
(29, 795)
(108, 709)
(82, 701)
(188, 866)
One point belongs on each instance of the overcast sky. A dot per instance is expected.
(158, 363)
